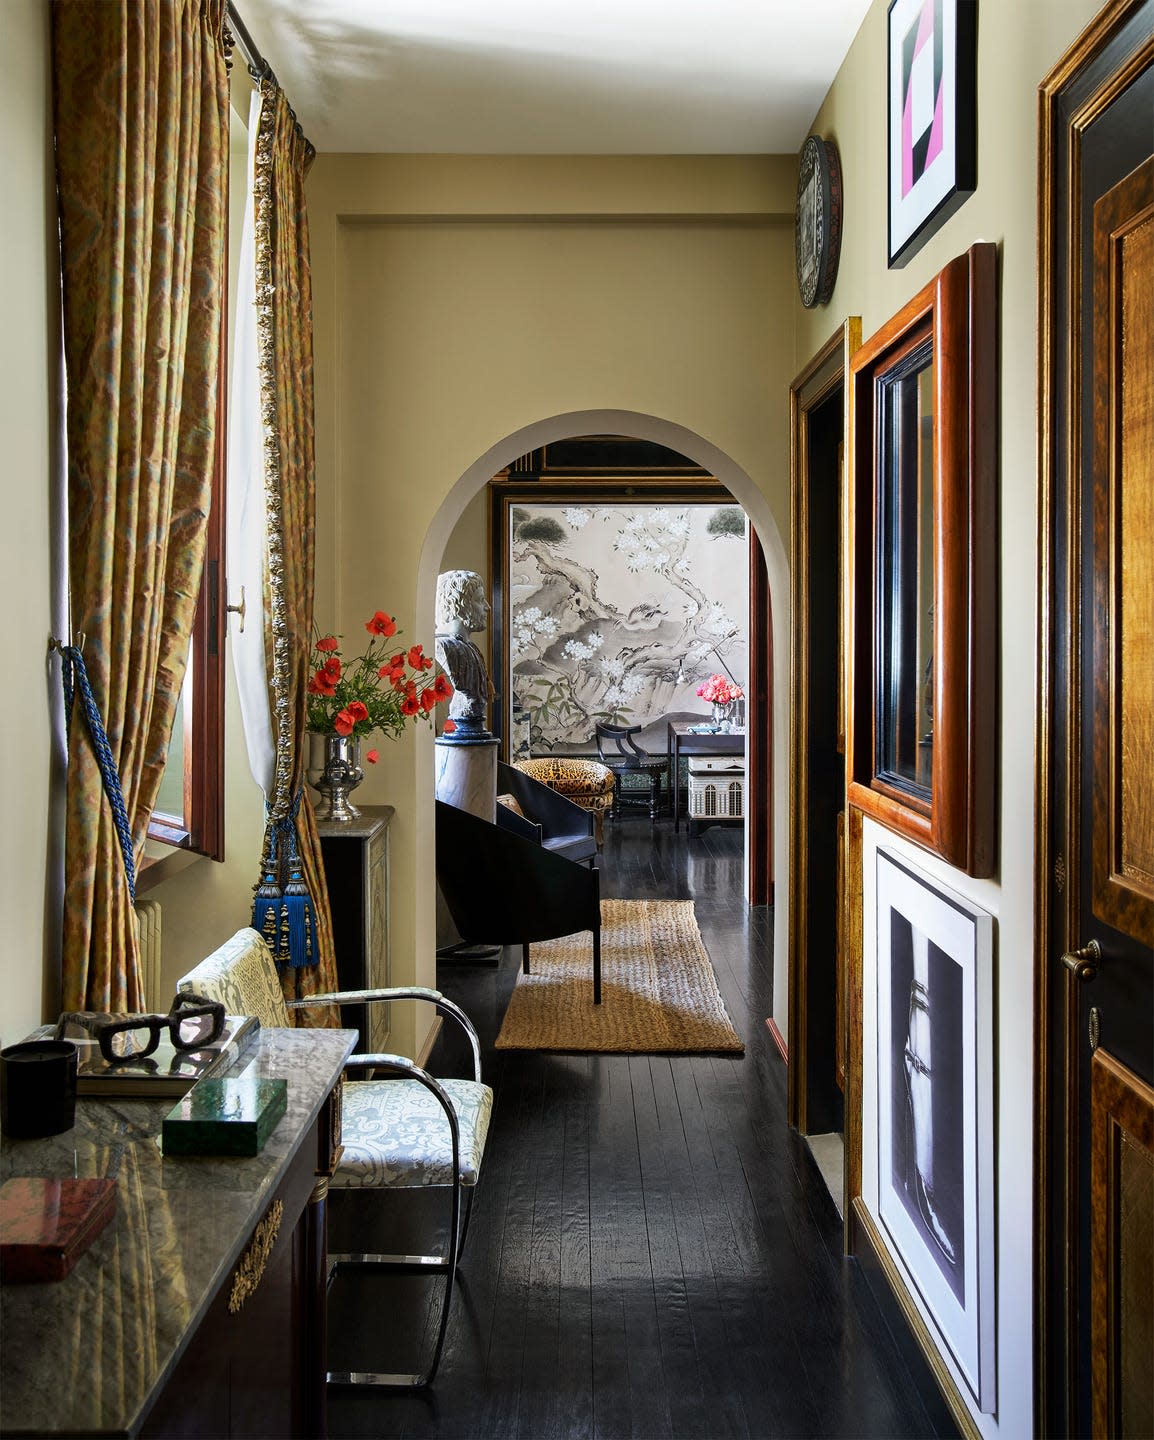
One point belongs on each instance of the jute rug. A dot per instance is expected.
(658, 989)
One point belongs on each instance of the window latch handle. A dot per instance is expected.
(238, 610)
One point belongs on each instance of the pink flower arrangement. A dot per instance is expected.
(378, 690)
(720, 691)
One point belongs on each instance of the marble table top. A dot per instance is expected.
(89, 1352)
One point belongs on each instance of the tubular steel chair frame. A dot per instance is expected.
(446, 1265)
(243, 975)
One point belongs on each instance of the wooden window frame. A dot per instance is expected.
(955, 817)
(201, 827)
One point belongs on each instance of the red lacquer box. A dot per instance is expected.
(46, 1225)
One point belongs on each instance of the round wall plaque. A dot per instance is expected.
(817, 224)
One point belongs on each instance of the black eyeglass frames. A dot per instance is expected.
(191, 1022)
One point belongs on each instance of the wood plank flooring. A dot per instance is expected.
(653, 1252)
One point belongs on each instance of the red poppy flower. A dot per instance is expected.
(381, 624)
(343, 723)
(410, 689)
(332, 668)
(416, 657)
(358, 710)
(322, 684)
(410, 705)
(372, 757)
(448, 727)
(442, 689)
(428, 700)
(328, 642)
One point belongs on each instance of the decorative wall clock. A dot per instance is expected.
(817, 225)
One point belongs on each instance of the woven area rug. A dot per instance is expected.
(658, 989)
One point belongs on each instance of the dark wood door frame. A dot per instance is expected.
(1104, 61)
(817, 384)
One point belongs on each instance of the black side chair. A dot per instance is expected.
(548, 818)
(617, 749)
(502, 888)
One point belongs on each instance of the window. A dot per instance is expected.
(189, 811)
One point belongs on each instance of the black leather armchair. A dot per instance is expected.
(503, 888)
(549, 818)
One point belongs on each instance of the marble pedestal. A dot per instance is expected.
(466, 775)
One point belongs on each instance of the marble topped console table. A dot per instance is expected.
(200, 1309)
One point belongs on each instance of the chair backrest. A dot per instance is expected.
(242, 975)
(616, 743)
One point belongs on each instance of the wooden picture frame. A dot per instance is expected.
(931, 108)
(923, 644)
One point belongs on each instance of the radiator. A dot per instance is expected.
(148, 935)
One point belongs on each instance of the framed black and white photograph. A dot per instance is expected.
(934, 1073)
(931, 104)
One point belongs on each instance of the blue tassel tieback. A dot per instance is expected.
(283, 910)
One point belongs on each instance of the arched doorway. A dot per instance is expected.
(735, 479)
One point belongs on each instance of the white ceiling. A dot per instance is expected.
(582, 77)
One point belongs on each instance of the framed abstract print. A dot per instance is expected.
(932, 117)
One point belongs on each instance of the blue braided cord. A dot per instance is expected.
(74, 670)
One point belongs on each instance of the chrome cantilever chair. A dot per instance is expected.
(407, 1131)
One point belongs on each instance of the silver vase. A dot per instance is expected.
(334, 769)
(722, 722)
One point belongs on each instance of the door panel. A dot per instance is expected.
(1123, 640)
(1122, 1248)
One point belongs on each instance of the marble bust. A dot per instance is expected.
(463, 609)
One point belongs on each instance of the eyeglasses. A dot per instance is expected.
(191, 1022)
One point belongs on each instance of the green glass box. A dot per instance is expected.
(225, 1117)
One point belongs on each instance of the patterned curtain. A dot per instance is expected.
(141, 114)
(292, 901)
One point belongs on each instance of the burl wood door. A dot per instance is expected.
(1112, 968)
(1095, 846)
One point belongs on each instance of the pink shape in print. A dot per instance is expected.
(914, 92)
(938, 133)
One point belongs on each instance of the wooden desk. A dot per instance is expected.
(680, 740)
(151, 1333)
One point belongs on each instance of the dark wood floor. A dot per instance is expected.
(653, 1252)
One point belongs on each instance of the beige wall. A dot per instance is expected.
(459, 303)
(1017, 44)
(30, 714)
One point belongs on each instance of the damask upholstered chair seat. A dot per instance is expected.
(404, 1131)
(394, 1135)
(587, 783)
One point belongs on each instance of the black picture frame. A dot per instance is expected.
(931, 108)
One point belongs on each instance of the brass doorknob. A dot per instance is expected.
(1083, 963)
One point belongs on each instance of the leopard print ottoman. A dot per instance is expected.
(587, 783)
